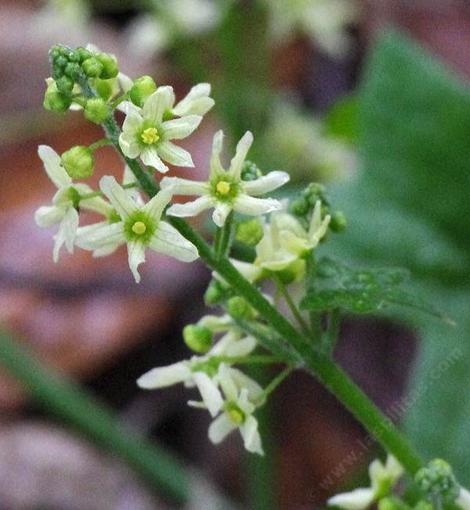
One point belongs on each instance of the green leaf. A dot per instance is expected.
(342, 120)
(409, 206)
(335, 286)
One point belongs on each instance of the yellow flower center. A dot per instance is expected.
(236, 415)
(150, 135)
(139, 228)
(223, 187)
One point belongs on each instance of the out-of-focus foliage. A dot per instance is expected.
(409, 207)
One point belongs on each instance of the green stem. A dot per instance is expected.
(100, 143)
(222, 238)
(277, 381)
(94, 194)
(292, 306)
(331, 335)
(260, 359)
(69, 402)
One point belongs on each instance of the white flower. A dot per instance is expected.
(382, 477)
(463, 499)
(225, 190)
(324, 21)
(139, 227)
(202, 371)
(65, 202)
(147, 134)
(238, 410)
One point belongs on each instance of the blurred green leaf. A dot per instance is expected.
(342, 120)
(410, 207)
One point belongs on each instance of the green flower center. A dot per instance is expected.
(224, 189)
(150, 135)
(235, 414)
(139, 227)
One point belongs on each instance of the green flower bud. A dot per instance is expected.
(110, 66)
(142, 88)
(299, 207)
(437, 481)
(293, 273)
(238, 308)
(338, 222)
(54, 52)
(65, 85)
(55, 101)
(392, 503)
(84, 54)
(92, 67)
(72, 55)
(197, 338)
(215, 293)
(73, 70)
(78, 162)
(96, 110)
(250, 171)
(249, 232)
(104, 88)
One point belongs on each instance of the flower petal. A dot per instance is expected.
(46, 216)
(125, 82)
(100, 235)
(241, 347)
(169, 241)
(150, 157)
(180, 186)
(175, 155)
(221, 211)
(224, 377)
(358, 499)
(197, 101)
(154, 208)
(243, 147)
(209, 392)
(253, 390)
(136, 256)
(217, 144)
(266, 183)
(463, 499)
(191, 208)
(158, 103)
(53, 167)
(66, 234)
(250, 435)
(129, 145)
(177, 129)
(220, 428)
(250, 272)
(132, 123)
(118, 197)
(255, 206)
(162, 377)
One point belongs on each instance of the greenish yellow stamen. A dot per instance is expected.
(223, 187)
(139, 228)
(236, 415)
(150, 136)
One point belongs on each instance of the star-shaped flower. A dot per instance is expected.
(147, 133)
(65, 203)
(139, 226)
(226, 190)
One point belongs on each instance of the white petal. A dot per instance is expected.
(191, 208)
(66, 234)
(358, 499)
(393, 468)
(221, 211)
(266, 183)
(132, 123)
(96, 204)
(151, 158)
(243, 147)
(158, 103)
(255, 206)
(217, 143)
(184, 186)
(136, 256)
(196, 102)
(463, 499)
(250, 435)
(241, 347)
(100, 235)
(118, 197)
(46, 216)
(250, 272)
(154, 208)
(53, 167)
(177, 129)
(220, 428)
(127, 107)
(209, 392)
(161, 377)
(104, 251)
(125, 82)
(169, 241)
(244, 382)
(224, 377)
(129, 145)
(221, 347)
(175, 155)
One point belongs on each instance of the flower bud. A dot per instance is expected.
(65, 85)
(238, 308)
(78, 162)
(299, 207)
(73, 70)
(215, 293)
(96, 110)
(338, 222)
(142, 88)
(197, 338)
(104, 88)
(437, 482)
(249, 232)
(55, 101)
(391, 503)
(92, 67)
(250, 171)
(110, 66)
(83, 54)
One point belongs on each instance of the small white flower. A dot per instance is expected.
(382, 477)
(140, 227)
(147, 134)
(225, 190)
(65, 202)
(238, 410)
(463, 499)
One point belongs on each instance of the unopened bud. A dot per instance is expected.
(78, 162)
(55, 101)
(84, 54)
(104, 88)
(142, 88)
(437, 482)
(65, 85)
(250, 171)
(197, 338)
(338, 222)
(96, 110)
(73, 70)
(215, 293)
(238, 308)
(110, 66)
(391, 503)
(92, 67)
(299, 207)
(249, 232)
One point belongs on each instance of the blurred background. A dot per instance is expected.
(321, 86)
